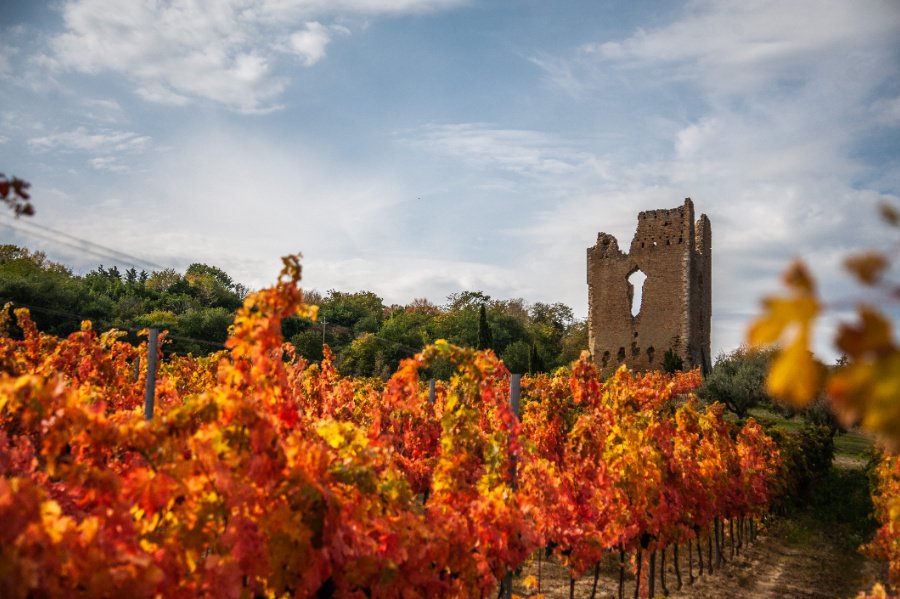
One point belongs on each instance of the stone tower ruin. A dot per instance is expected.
(675, 254)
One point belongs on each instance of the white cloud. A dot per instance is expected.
(887, 111)
(486, 147)
(102, 110)
(160, 94)
(226, 51)
(108, 163)
(309, 43)
(82, 139)
(6, 54)
(106, 147)
(741, 46)
(273, 10)
(240, 202)
(561, 74)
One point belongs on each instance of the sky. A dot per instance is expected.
(416, 148)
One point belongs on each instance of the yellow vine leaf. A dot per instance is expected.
(780, 314)
(795, 375)
(800, 307)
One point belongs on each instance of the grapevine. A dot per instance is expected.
(262, 474)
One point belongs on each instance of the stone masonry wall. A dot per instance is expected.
(675, 254)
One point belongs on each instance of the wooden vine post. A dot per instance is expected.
(150, 390)
(515, 392)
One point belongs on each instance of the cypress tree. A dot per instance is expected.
(485, 339)
(535, 363)
(672, 362)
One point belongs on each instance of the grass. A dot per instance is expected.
(838, 507)
(769, 417)
(852, 444)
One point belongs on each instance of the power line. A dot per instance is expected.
(103, 247)
(80, 244)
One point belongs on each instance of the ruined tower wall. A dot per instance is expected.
(701, 296)
(675, 255)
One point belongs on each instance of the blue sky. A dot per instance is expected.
(420, 147)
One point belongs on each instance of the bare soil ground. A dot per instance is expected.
(774, 566)
(810, 553)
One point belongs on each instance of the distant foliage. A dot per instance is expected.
(366, 337)
(196, 307)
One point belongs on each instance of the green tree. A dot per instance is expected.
(212, 286)
(456, 325)
(738, 380)
(363, 357)
(199, 305)
(162, 281)
(362, 311)
(308, 344)
(573, 342)
(515, 356)
(467, 300)
(56, 296)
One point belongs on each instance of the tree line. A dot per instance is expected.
(366, 336)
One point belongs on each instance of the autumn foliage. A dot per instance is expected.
(263, 475)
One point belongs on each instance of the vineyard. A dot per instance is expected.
(263, 475)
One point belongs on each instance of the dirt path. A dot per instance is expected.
(778, 564)
(811, 554)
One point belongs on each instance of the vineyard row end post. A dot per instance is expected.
(150, 391)
(515, 391)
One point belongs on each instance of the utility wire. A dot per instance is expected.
(84, 245)
(123, 256)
